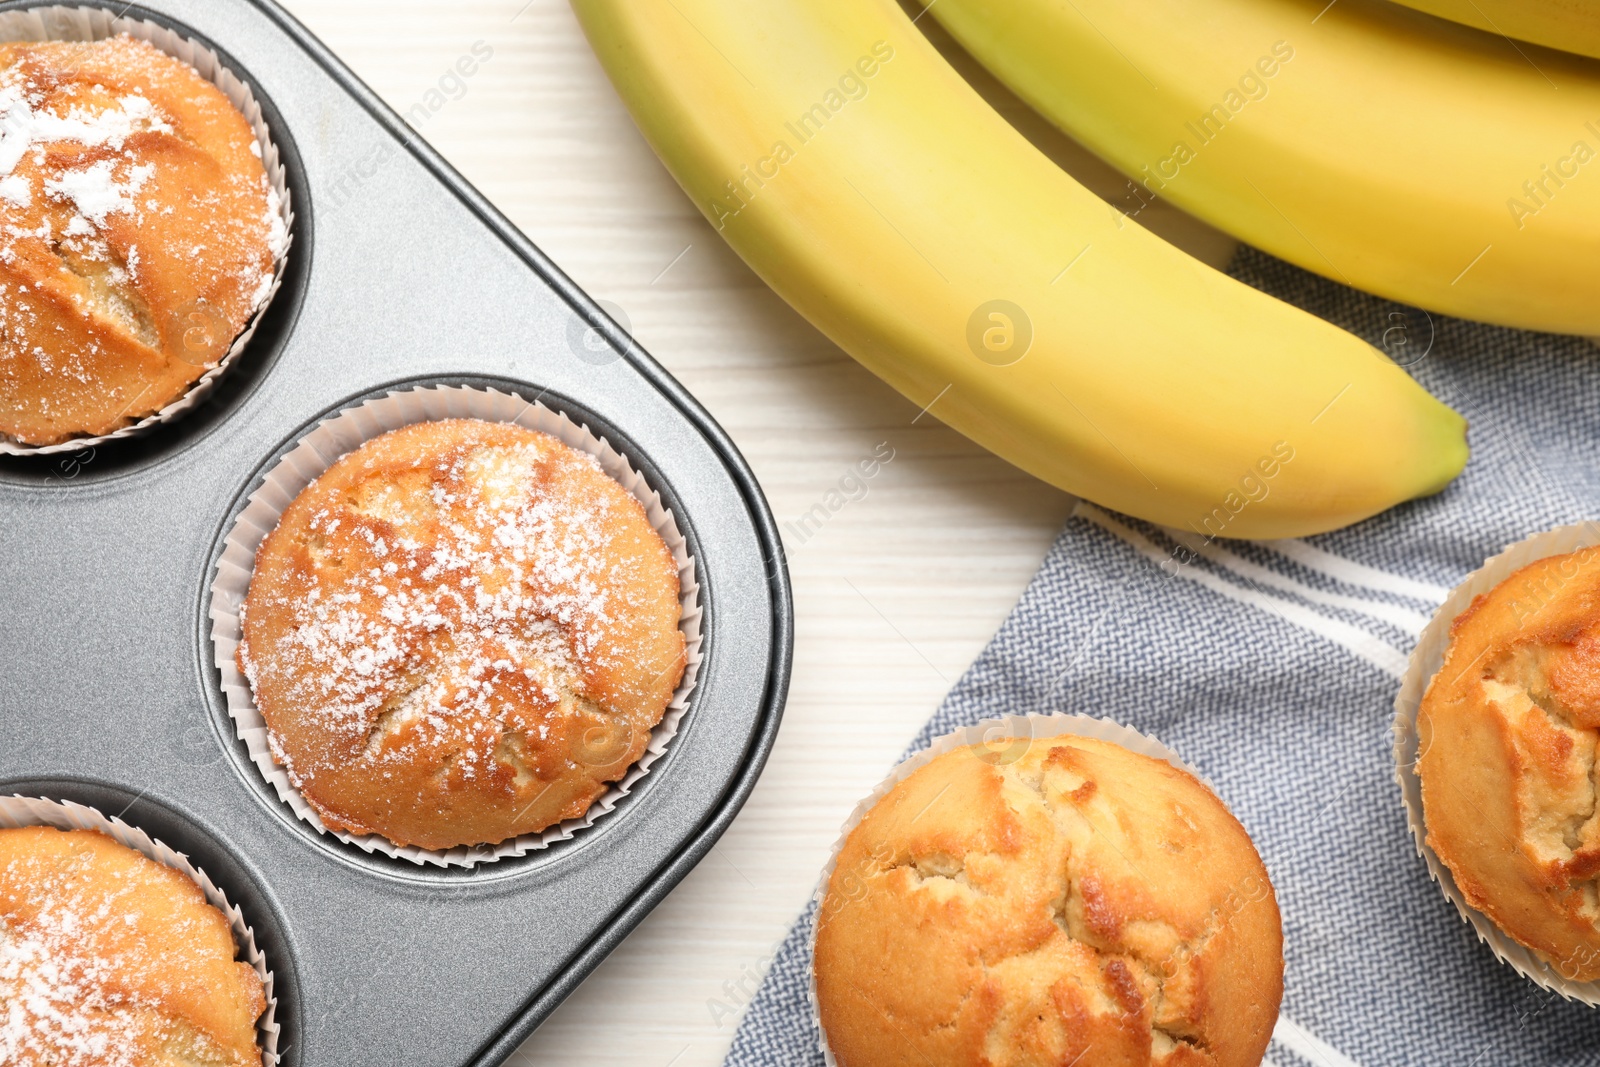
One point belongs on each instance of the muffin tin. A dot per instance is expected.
(402, 275)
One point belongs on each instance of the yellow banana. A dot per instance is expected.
(1397, 153)
(1571, 25)
(874, 190)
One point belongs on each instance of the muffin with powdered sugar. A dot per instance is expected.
(110, 959)
(461, 633)
(139, 233)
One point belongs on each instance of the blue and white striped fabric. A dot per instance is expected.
(1273, 668)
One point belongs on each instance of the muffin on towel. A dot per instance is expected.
(460, 633)
(1506, 741)
(110, 959)
(1078, 903)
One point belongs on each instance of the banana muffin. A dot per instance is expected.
(1506, 740)
(109, 959)
(1077, 903)
(460, 633)
(138, 234)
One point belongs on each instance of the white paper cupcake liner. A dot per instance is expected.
(1426, 659)
(988, 733)
(69, 23)
(20, 811)
(316, 452)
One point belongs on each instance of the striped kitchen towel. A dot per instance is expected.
(1273, 668)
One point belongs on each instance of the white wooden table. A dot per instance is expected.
(894, 595)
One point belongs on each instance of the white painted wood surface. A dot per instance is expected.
(894, 595)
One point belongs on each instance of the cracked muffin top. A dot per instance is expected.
(1048, 902)
(460, 633)
(110, 959)
(138, 233)
(1506, 736)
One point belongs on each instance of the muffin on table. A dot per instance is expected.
(110, 959)
(461, 633)
(1079, 903)
(138, 234)
(1506, 740)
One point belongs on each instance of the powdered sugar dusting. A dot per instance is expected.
(97, 193)
(95, 190)
(15, 191)
(277, 232)
(21, 127)
(62, 1007)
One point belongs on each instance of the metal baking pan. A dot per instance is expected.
(401, 273)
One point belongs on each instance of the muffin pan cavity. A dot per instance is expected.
(208, 400)
(77, 463)
(87, 805)
(109, 690)
(305, 456)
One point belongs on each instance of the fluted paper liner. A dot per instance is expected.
(1029, 727)
(342, 433)
(1426, 659)
(19, 811)
(67, 23)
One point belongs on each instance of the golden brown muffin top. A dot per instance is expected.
(460, 633)
(109, 959)
(1077, 904)
(1507, 734)
(138, 233)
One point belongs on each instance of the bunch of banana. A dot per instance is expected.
(1410, 157)
(1572, 25)
(873, 189)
